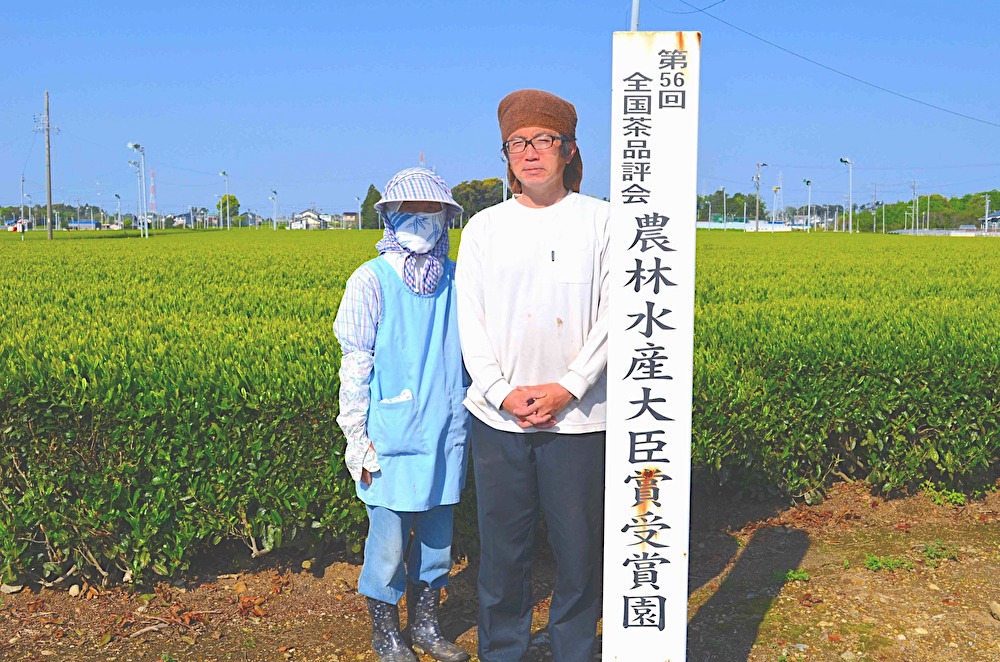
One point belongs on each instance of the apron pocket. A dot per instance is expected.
(394, 428)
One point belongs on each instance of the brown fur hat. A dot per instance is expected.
(537, 108)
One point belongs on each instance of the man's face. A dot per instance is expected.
(538, 169)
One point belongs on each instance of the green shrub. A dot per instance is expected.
(890, 563)
(157, 396)
(172, 393)
(793, 575)
(937, 550)
(852, 357)
(942, 496)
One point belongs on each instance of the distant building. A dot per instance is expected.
(84, 225)
(310, 219)
(349, 219)
(333, 221)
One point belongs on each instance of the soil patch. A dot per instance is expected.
(857, 577)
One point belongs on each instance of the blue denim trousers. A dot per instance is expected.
(387, 561)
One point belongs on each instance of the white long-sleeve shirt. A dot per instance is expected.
(532, 307)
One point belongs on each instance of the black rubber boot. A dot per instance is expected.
(422, 612)
(387, 642)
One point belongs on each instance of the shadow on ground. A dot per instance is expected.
(725, 627)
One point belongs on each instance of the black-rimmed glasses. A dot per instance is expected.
(540, 142)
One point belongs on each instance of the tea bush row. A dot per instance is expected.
(157, 396)
(864, 357)
(160, 395)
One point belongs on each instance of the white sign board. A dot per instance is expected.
(654, 147)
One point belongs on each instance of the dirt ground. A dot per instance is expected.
(845, 601)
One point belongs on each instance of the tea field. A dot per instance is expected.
(159, 395)
(862, 356)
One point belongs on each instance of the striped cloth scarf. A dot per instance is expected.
(427, 281)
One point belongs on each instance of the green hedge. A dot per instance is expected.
(117, 493)
(168, 393)
(157, 396)
(828, 356)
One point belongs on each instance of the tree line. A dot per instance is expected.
(477, 194)
(474, 196)
(943, 213)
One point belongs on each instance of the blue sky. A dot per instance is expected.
(320, 99)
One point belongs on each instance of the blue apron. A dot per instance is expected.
(416, 419)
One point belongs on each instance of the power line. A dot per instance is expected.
(34, 134)
(685, 13)
(838, 71)
(11, 142)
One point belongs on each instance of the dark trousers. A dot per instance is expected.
(563, 475)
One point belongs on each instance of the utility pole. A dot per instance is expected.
(809, 187)
(850, 197)
(779, 202)
(143, 208)
(145, 204)
(986, 219)
(48, 167)
(22, 200)
(723, 189)
(503, 179)
(635, 16)
(756, 183)
(229, 224)
(138, 203)
(916, 206)
(874, 208)
(274, 197)
(774, 211)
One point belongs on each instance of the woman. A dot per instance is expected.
(402, 383)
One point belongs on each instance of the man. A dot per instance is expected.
(532, 283)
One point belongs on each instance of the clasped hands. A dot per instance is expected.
(536, 406)
(532, 406)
